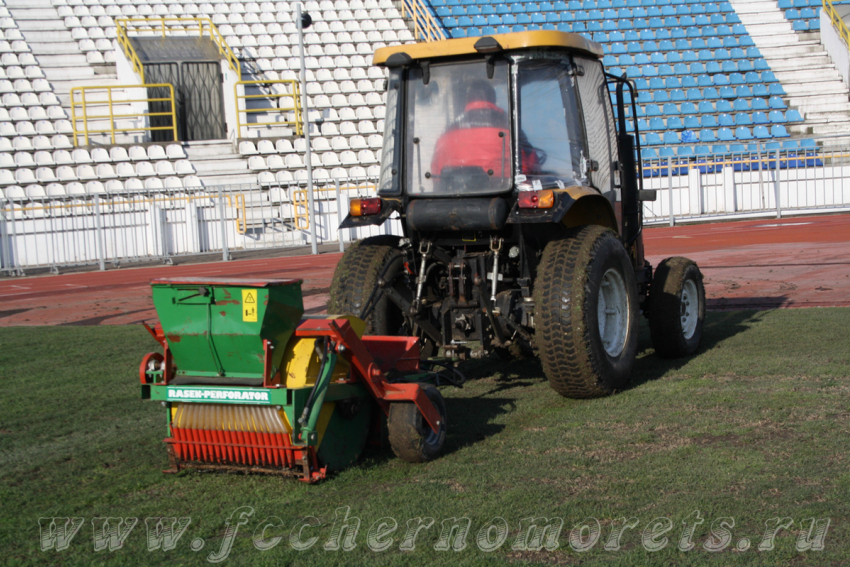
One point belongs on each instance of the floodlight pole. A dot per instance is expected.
(306, 121)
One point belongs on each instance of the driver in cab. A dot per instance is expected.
(477, 144)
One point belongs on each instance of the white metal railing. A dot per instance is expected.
(112, 228)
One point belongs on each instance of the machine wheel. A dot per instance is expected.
(586, 327)
(411, 438)
(357, 275)
(676, 307)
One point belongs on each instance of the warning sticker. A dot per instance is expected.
(249, 305)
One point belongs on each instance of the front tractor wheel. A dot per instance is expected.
(356, 280)
(586, 326)
(676, 308)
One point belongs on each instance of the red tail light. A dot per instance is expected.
(537, 199)
(365, 207)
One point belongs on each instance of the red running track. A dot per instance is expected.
(763, 264)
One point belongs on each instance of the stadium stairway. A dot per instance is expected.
(57, 52)
(811, 81)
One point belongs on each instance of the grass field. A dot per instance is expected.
(754, 427)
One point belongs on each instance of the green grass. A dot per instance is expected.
(753, 427)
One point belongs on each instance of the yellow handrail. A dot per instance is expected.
(170, 24)
(295, 95)
(299, 199)
(839, 24)
(86, 105)
(425, 26)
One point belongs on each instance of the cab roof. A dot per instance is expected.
(508, 41)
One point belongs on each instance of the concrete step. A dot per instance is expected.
(801, 62)
(62, 61)
(41, 25)
(33, 13)
(54, 48)
(68, 73)
(211, 150)
(221, 166)
(27, 4)
(243, 178)
(814, 75)
(829, 116)
(49, 37)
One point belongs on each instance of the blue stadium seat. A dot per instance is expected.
(691, 122)
(742, 91)
(657, 123)
(458, 32)
(708, 121)
(727, 92)
(723, 106)
(720, 80)
(670, 109)
(506, 29)
(674, 123)
(719, 150)
(688, 108)
(776, 102)
(648, 153)
(776, 89)
(685, 151)
(725, 135)
(689, 137)
(652, 139)
(777, 117)
(725, 119)
(661, 96)
(653, 110)
(689, 81)
(656, 83)
(760, 118)
(743, 119)
(793, 116)
(678, 95)
(670, 138)
(703, 151)
(761, 132)
(743, 133)
(741, 105)
(695, 94)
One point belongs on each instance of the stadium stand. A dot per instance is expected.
(710, 75)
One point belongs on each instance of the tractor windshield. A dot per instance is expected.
(458, 135)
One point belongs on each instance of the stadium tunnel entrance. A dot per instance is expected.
(193, 66)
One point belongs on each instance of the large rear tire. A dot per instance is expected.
(411, 438)
(356, 277)
(676, 308)
(586, 326)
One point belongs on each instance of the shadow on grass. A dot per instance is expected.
(718, 326)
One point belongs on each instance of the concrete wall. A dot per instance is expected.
(835, 47)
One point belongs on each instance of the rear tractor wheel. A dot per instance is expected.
(585, 300)
(676, 308)
(355, 284)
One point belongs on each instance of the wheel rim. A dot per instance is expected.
(613, 312)
(690, 309)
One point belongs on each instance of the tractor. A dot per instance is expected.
(519, 192)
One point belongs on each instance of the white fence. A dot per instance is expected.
(767, 181)
(114, 228)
